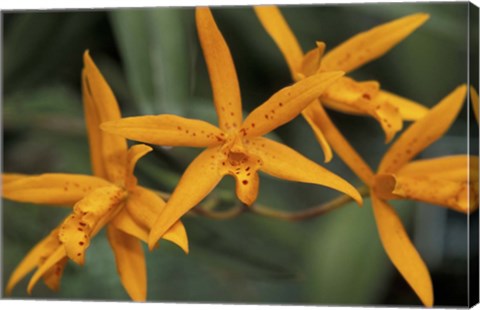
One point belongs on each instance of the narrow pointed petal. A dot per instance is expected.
(89, 215)
(452, 168)
(50, 262)
(137, 218)
(401, 251)
(130, 261)
(38, 254)
(223, 76)
(309, 116)
(278, 29)
(52, 188)
(347, 94)
(338, 142)
(423, 132)
(474, 97)
(283, 162)
(166, 130)
(178, 235)
(9, 177)
(53, 276)
(200, 178)
(409, 110)
(133, 155)
(369, 45)
(92, 120)
(286, 104)
(457, 195)
(114, 148)
(311, 60)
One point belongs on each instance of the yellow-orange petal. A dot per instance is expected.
(286, 104)
(52, 188)
(223, 76)
(198, 180)
(474, 97)
(369, 45)
(53, 276)
(57, 256)
(309, 116)
(283, 162)
(278, 29)
(9, 177)
(166, 130)
(423, 132)
(113, 148)
(130, 261)
(409, 110)
(35, 257)
(94, 134)
(178, 235)
(401, 251)
(452, 168)
(89, 215)
(456, 195)
(133, 155)
(311, 60)
(124, 221)
(338, 142)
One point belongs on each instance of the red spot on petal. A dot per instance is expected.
(244, 182)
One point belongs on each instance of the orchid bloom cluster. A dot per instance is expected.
(112, 197)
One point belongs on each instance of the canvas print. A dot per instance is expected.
(320, 154)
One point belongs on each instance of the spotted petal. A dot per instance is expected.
(409, 110)
(223, 76)
(34, 258)
(198, 180)
(283, 162)
(338, 142)
(371, 44)
(423, 132)
(89, 215)
(286, 104)
(56, 257)
(166, 130)
(130, 261)
(276, 26)
(401, 251)
(52, 188)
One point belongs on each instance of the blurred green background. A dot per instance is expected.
(153, 62)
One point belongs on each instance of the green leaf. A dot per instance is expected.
(153, 45)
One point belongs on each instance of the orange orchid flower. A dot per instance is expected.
(236, 147)
(110, 198)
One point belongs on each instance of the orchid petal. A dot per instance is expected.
(338, 142)
(89, 215)
(57, 256)
(456, 195)
(309, 116)
(369, 45)
(474, 97)
(198, 180)
(166, 130)
(9, 177)
(409, 110)
(53, 276)
(133, 155)
(401, 251)
(137, 218)
(35, 257)
(311, 60)
(452, 168)
(286, 104)
(423, 132)
(278, 29)
(223, 76)
(130, 261)
(52, 188)
(283, 162)
(99, 94)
